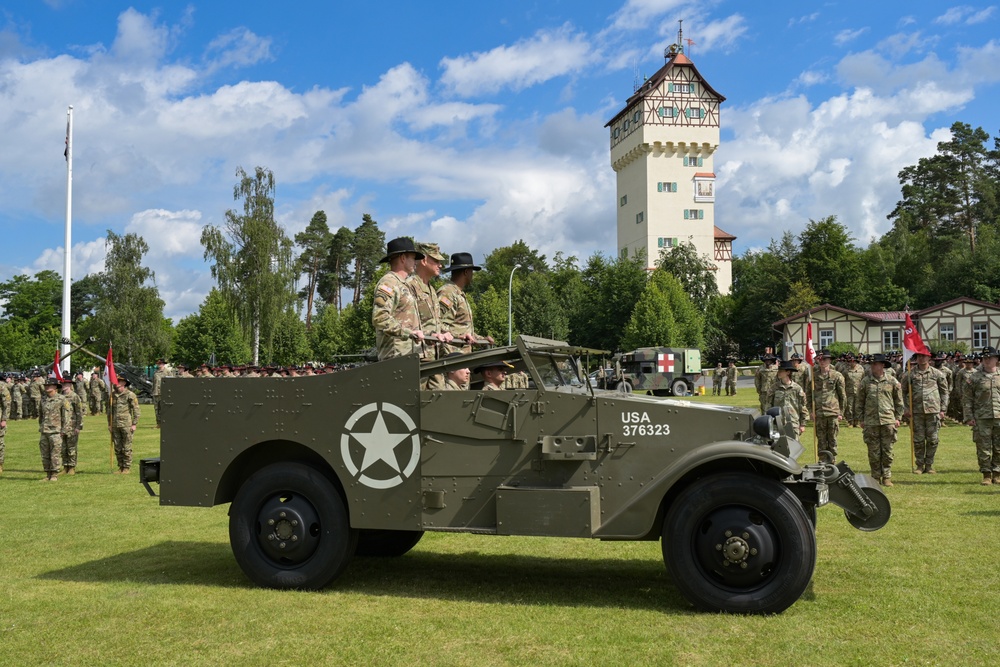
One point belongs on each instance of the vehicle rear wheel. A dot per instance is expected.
(739, 543)
(624, 387)
(387, 543)
(288, 528)
(679, 388)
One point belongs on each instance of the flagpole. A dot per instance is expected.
(68, 245)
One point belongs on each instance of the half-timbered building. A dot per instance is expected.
(663, 144)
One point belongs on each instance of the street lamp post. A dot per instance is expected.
(510, 304)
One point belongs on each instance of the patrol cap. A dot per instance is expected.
(432, 250)
(400, 246)
(499, 363)
(462, 260)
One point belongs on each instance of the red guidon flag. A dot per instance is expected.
(810, 350)
(110, 377)
(56, 373)
(912, 342)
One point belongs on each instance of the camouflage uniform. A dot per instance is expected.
(72, 437)
(879, 405)
(456, 315)
(16, 401)
(451, 385)
(35, 392)
(5, 404)
(97, 390)
(54, 421)
(124, 415)
(394, 317)
(157, 386)
(791, 398)
(517, 380)
(982, 404)
(80, 387)
(763, 380)
(731, 373)
(929, 398)
(718, 375)
(802, 375)
(430, 323)
(852, 381)
(827, 397)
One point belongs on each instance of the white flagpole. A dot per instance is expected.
(68, 246)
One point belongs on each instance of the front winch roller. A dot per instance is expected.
(865, 505)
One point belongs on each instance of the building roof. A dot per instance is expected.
(881, 317)
(704, 174)
(653, 82)
(723, 235)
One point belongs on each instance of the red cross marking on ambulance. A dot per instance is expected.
(665, 363)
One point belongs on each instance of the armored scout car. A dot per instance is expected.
(362, 462)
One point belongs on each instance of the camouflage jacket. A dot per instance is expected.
(54, 416)
(35, 389)
(158, 380)
(826, 395)
(718, 374)
(879, 401)
(17, 391)
(791, 398)
(802, 375)
(852, 379)
(428, 311)
(5, 402)
(731, 373)
(80, 387)
(949, 377)
(96, 385)
(456, 315)
(125, 412)
(981, 399)
(930, 393)
(764, 379)
(516, 380)
(75, 409)
(395, 317)
(451, 385)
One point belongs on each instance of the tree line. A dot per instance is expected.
(285, 301)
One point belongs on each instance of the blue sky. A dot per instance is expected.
(469, 124)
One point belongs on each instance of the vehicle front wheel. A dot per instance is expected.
(288, 528)
(739, 543)
(679, 388)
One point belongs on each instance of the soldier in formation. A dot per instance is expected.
(853, 374)
(72, 435)
(718, 376)
(790, 397)
(394, 313)
(54, 422)
(879, 405)
(158, 375)
(427, 269)
(35, 392)
(731, 374)
(826, 397)
(97, 391)
(764, 379)
(5, 405)
(123, 422)
(16, 398)
(80, 387)
(981, 402)
(925, 396)
(803, 372)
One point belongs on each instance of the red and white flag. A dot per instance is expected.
(912, 342)
(810, 350)
(56, 373)
(110, 377)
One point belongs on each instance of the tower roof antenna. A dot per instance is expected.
(674, 49)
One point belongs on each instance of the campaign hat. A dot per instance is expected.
(402, 245)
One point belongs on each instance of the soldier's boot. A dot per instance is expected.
(987, 479)
(929, 470)
(887, 481)
(126, 471)
(918, 471)
(54, 478)
(70, 470)
(117, 472)
(996, 478)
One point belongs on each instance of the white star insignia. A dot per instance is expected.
(380, 444)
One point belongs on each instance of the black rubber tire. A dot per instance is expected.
(624, 387)
(386, 543)
(310, 520)
(777, 527)
(679, 388)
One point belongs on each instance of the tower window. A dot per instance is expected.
(617, 132)
(666, 242)
(666, 187)
(667, 112)
(681, 88)
(636, 117)
(694, 162)
(694, 214)
(624, 200)
(693, 112)
(626, 124)
(639, 217)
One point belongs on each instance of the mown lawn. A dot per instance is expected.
(97, 573)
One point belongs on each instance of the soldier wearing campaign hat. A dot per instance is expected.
(72, 437)
(494, 373)
(853, 374)
(879, 404)
(982, 413)
(790, 397)
(54, 422)
(394, 312)
(925, 392)
(827, 399)
(456, 315)
(429, 309)
(764, 378)
(124, 420)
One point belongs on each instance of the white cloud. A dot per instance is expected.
(87, 258)
(981, 16)
(546, 55)
(812, 78)
(237, 48)
(808, 18)
(965, 14)
(640, 13)
(171, 233)
(720, 34)
(847, 35)
(901, 43)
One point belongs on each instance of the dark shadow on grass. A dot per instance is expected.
(982, 513)
(470, 576)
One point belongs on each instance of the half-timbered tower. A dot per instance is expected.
(663, 145)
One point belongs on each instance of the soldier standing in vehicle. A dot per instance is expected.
(124, 420)
(427, 269)
(394, 313)
(853, 374)
(982, 412)
(72, 437)
(925, 392)
(827, 398)
(494, 373)
(5, 403)
(54, 422)
(731, 374)
(790, 397)
(764, 378)
(718, 375)
(456, 315)
(879, 404)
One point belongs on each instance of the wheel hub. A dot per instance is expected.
(288, 529)
(737, 547)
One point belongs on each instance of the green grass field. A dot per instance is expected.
(95, 572)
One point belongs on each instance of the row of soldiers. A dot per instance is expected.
(27, 393)
(60, 415)
(880, 397)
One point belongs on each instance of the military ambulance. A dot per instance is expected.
(661, 371)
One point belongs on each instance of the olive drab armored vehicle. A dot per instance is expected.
(659, 371)
(363, 462)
